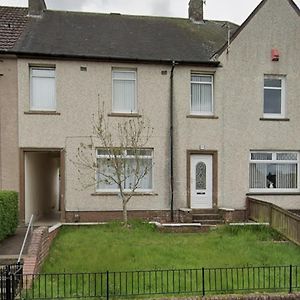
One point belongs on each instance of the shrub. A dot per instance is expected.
(8, 213)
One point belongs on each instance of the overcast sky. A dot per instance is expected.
(230, 10)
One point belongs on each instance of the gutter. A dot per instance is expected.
(35, 55)
(172, 141)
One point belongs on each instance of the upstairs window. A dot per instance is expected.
(42, 89)
(274, 171)
(201, 94)
(274, 97)
(124, 91)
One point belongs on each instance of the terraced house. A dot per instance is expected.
(12, 23)
(223, 100)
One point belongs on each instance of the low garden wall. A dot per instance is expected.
(38, 249)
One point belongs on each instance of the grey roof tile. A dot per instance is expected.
(110, 36)
(12, 22)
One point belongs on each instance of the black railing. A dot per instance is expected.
(204, 281)
(10, 281)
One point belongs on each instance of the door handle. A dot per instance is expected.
(200, 193)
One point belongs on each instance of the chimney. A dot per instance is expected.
(196, 11)
(36, 8)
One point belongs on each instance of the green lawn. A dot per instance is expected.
(141, 247)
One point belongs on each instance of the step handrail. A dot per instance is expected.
(30, 227)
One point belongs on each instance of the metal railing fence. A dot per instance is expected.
(10, 281)
(134, 284)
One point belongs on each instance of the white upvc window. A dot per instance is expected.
(130, 158)
(274, 171)
(124, 91)
(42, 89)
(201, 94)
(274, 96)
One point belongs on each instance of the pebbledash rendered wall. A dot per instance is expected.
(78, 95)
(9, 151)
(236, 128)
(240, 90)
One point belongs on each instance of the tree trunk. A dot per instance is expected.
(125, 216)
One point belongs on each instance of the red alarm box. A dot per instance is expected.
(275, 55)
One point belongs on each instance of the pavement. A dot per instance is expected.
(10, 248)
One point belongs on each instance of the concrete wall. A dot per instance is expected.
(9, 153)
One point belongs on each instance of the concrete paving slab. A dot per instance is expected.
(12, 245)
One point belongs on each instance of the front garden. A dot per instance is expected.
(142, 247)
(114, 262)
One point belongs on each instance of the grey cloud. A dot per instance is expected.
(66, 4)
(161, 7)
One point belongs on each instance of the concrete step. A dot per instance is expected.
(206, 217)
(205, 211)
(8, 259)
(209, 222)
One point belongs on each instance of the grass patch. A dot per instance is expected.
(141, 247)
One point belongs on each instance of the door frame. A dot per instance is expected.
(23, 151)
(214, 155)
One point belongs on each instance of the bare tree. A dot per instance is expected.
(116, 157)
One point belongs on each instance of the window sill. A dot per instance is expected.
(40, 112)
(116, 194)
(202, 117)
(274, 194)
(275, 119)
(125, 115)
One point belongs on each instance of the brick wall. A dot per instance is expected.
(105, 216)
(38, 249)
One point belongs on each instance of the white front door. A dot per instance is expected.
(201, 181)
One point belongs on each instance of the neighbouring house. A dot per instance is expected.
(223, 101)
(12, 23)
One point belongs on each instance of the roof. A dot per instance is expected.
(124, 37)
(12, 22)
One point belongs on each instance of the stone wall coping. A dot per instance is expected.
(58, 225)
(181, 225)
(226, 209)
(249, 224)
(185, 209)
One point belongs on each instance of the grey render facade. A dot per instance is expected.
(233, 102)
(12, 23)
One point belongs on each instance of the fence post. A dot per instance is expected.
(247, 208)
(203, 282)
(107, 285)
(291, 279)
(7, 283)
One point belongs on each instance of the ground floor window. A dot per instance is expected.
(274, 171)
(131, 163)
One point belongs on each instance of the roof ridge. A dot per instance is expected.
(129, 15)
(14, 7)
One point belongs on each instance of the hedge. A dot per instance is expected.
(8, 213)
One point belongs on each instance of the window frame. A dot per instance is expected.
(202, 113)
(275, 161)
(121, 70)
(150, 157)
(45, 68)
(282, 96)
